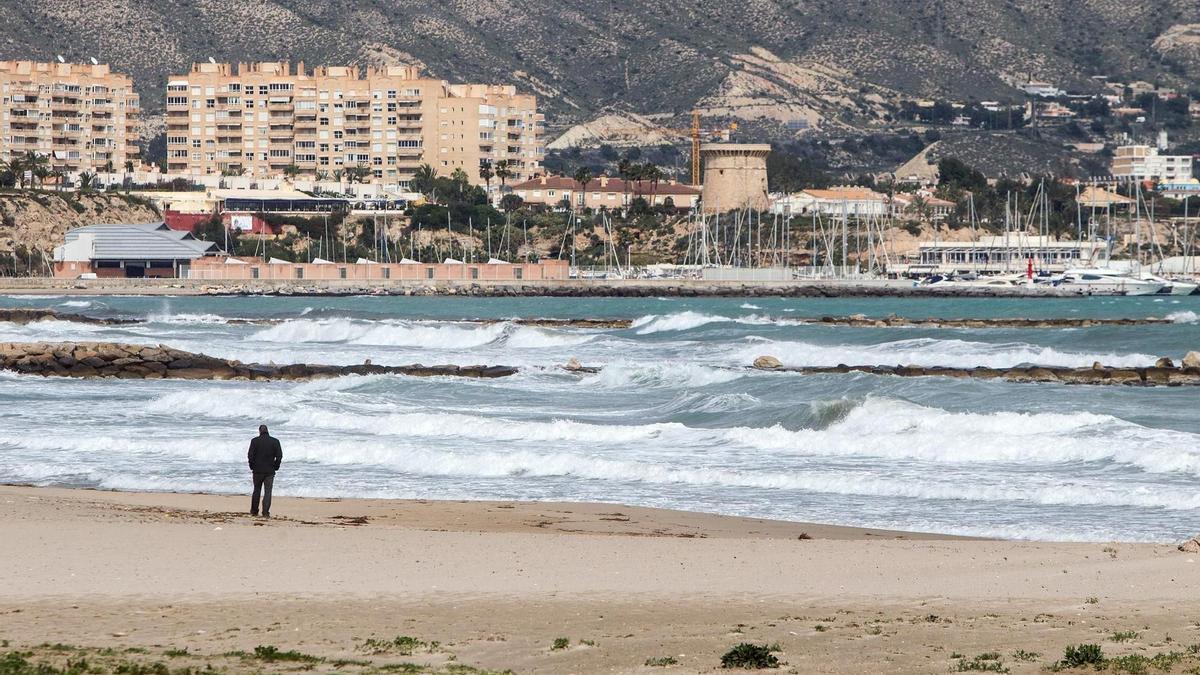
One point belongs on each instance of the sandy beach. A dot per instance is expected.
(494, 585)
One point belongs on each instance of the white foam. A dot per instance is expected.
(186, 318)
(682, 321)
(525, 337)
(934, 352)
(1184, 317)
(629, 375)
(746, 305)
(382, 333)
(75, 303)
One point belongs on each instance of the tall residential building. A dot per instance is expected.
(83, 117)
(1142, 162)
(268, 119)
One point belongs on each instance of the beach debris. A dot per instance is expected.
(767, 363)
(1191, 360)
(1191, 545)
(146, 362)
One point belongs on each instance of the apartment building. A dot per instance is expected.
(83, 117)
(270, 119)
(1143, 162)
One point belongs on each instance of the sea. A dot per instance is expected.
(674, 418)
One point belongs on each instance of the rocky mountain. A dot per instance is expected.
(830, 63)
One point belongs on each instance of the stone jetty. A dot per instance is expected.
(24, 316)
(146, 362)
(1163, 374)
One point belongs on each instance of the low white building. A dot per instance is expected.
(838, 201)
(1181, 189)
(1143, 162)
(1001, 253)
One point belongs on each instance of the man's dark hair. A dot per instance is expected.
(262, 428)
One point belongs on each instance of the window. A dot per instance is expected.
(342, 272)
(474, 272)
(428, 272)
(253, 272)
(518, 273)
(299, 272)
(387, 273)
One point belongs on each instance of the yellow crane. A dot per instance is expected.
(694, 133)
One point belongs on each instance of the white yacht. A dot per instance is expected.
(1170, 286)
(1099, 281)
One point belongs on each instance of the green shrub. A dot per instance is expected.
(661, 661)
(271, 654)
(560, 643)
(1076, 656)
(404, 645)
(749, 657)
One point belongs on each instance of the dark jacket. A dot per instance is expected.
(265, 455)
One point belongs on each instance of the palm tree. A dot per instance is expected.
(652, 173)
(85, 181)
(625, 169)
(291, 171)
(59, 178)
(422, 180)
(37, 165)
(486, 173)
(358, 174)
(583, 176)
(503, 172)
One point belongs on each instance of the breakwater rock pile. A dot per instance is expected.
(145, 362)
(26, 316)
(894, 321)
(1163, 374)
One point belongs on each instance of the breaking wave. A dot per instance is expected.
(382, 333)
(933, 352)
(1184, 317)
(683, 321)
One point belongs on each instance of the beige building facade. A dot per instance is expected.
(81, 117)
(270, 119)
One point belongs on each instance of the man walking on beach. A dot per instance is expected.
(265, 456)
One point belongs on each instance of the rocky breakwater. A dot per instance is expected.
(1164, 373)
(894, 321)
(25, 316)
(146, 362)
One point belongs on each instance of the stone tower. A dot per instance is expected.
(735, 176)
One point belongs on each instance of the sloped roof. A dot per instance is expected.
(142, 241)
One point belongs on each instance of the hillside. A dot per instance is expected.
(832, 63)
(33, 223)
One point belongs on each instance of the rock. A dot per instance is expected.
(767, 363)
(1192, 360)
(1191, 545)
(140, 362)
(1164, 362)
(1096, 365)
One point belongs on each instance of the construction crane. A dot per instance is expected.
(694, 133)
